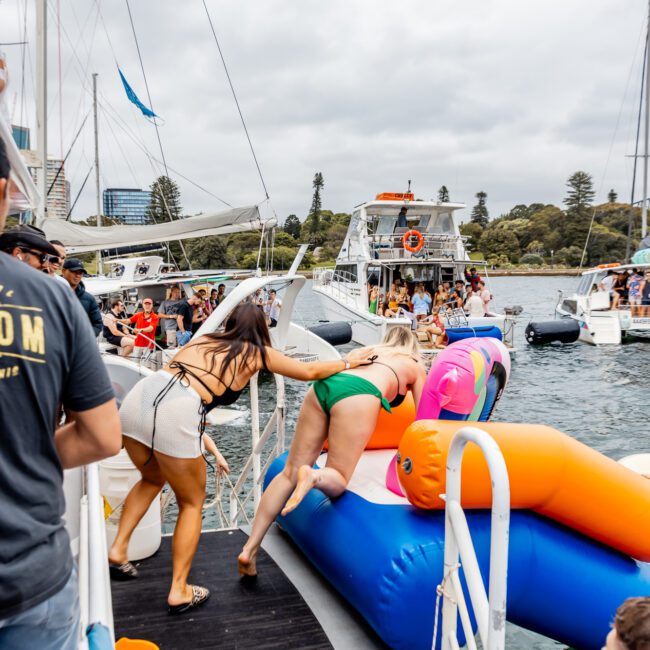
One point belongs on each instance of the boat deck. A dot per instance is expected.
(269, 612)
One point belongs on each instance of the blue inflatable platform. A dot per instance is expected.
(460, 333)
(386, 558)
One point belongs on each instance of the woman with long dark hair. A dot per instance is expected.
(163, 420)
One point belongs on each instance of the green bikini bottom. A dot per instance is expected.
(333, 389)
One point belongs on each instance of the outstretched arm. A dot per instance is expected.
(284, 365)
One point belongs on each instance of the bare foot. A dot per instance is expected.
(180, 596)
(306, 481)
(247, 565)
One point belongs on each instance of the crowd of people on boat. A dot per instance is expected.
(426, 307)
(628, 288)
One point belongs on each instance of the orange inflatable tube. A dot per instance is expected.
(390, 426)
(550, 473)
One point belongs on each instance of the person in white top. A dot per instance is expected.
(275, 304)
(607, 284)
(474, 305)
(484, 294)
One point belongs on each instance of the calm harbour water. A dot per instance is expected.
(595, 394)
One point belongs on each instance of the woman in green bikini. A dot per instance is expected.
(343, 410)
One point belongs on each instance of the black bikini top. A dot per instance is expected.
(399, 398)
(228, 397)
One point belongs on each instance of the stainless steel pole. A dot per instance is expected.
(100, 265)
(644, 207)
(41, 107)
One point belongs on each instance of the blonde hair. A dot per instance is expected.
(398, 340)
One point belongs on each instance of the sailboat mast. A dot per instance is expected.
(644, 207)
(41, 106)
(100, 265)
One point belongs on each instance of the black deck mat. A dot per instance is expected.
(269, 613)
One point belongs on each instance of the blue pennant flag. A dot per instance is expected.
(133, 98)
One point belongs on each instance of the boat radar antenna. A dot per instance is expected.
(408, 189)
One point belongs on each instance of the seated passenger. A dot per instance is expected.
(113, 331)
(403, 299)
(457, 295)
(434, 329)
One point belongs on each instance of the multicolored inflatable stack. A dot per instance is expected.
(578, 518)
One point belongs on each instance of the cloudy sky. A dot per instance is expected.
(504, 96)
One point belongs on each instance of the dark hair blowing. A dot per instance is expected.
(246, 336)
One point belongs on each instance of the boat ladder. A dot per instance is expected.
(489, 610)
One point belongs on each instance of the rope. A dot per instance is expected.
(440, 591)
(234, 94)
(630, 219)
(609, 152)
(162, 152)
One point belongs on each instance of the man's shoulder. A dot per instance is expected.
(28, 277)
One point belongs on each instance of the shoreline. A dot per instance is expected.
(496, 273)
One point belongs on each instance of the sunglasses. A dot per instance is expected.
(42, 257)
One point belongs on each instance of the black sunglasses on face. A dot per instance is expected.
(41, 257)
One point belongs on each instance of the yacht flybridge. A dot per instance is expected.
(377, 250)
(591, 307)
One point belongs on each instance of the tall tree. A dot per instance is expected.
(165, 201)
(580, 194)
(443, 194)
(612, 197)
(292, 226)
(314, 211)
(480, 213)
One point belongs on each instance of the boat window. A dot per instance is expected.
(441, 223)
(423, 226)
(386, 225)
(346, 272)
(585, 284)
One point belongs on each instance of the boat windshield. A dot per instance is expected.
(589, 281)
(384, 220)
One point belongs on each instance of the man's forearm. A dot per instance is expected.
(90, 435)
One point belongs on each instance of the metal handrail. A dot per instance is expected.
(255, 466)
(489, 611)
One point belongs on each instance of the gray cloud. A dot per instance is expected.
(497, 95)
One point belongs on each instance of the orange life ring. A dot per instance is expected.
(407, 236)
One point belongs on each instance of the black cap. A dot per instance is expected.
(26, 237)
(74, 264)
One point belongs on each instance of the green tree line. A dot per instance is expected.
(540, 233)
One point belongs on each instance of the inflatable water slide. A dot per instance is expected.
(579, 529)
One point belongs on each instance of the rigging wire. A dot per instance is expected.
(58, 171)
(162, 152)
(609, 152)
(234, 94)
(630, 218)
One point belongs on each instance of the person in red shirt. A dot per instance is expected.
(473, 277)
(145, 328)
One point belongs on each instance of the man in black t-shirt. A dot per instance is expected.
(48, 357)
(185, 312)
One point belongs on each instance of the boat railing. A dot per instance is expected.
(342, 284)
(94, 582)
(438, 246)
(489, 608)
(235, 502)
